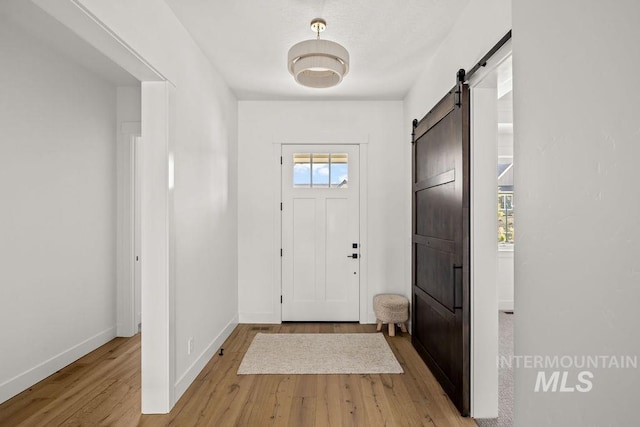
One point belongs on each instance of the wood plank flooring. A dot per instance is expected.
(103, 388)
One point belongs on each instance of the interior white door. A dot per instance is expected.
(320, 233)
(137, 275)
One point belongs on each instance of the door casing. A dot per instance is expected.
(484, 254)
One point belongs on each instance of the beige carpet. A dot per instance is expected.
(319, 354)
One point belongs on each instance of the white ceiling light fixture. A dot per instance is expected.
(318, 63)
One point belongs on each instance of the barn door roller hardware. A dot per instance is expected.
(458, 91)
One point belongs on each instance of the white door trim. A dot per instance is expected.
(362, 142)
(484, 248)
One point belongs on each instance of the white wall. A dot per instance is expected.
(57, 222)
(505, 280)
(577, 263)
(262, 126)
(196, 125)
(480, 26)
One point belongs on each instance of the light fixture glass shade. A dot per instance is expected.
(318, 63)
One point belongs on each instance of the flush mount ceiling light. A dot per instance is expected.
(318, 63)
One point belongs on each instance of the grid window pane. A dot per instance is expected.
(320, 167)
(320, 170)
(301, 170)
(339, 170)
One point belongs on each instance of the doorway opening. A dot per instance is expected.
(90, 104)
(493, 239)
(129, 301)
(157, 120)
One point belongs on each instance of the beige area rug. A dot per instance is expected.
(319, 354)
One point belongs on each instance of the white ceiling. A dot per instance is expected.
(389, 42)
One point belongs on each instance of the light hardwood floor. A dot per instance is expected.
(103, 388)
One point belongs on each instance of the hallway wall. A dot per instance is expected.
(505, 280)
(577, 263)
(263, 125)
(57, 221)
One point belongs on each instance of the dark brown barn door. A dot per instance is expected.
(440, 318)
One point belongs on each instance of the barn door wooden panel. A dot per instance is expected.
(441, 237)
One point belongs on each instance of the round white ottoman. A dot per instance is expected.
(391, 309)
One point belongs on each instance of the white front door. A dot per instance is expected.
(320, 233)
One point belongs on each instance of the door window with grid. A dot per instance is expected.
(320, 170)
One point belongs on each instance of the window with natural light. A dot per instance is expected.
(505, 218)
(505, 203)
(320, 170)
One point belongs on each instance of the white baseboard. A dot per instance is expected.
(23, 381)
(505, 305)
(371, 318)
(259, 318)
(183, 383)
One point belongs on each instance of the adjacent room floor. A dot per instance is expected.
(104, 388)
(505, 375)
